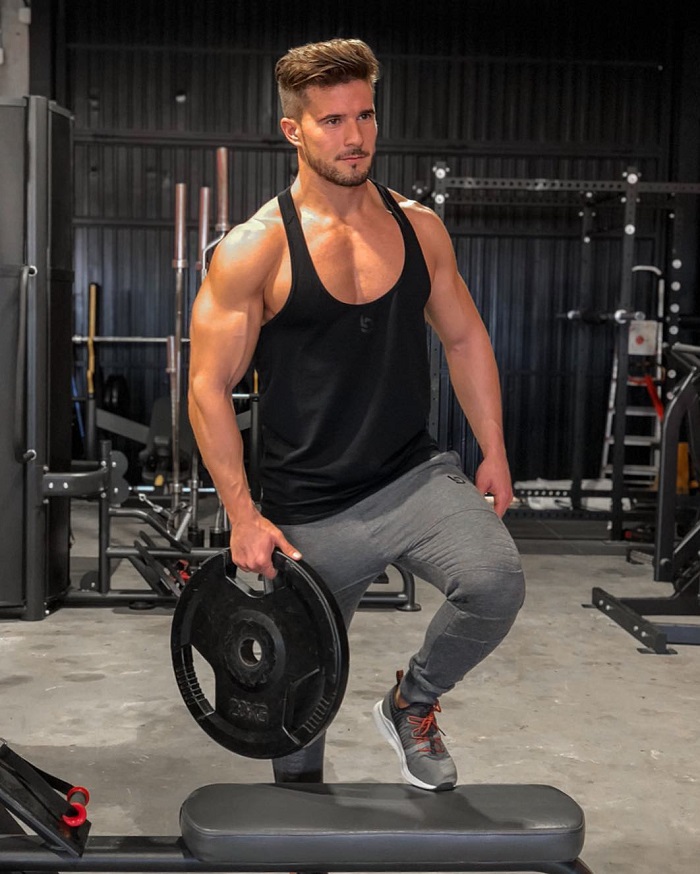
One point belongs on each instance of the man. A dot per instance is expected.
(327, 290)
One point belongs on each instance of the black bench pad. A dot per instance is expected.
(342, 826)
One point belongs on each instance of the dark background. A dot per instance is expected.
(512, 88)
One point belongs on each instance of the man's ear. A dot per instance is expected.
(290, 128)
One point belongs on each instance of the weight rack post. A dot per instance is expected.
(583, 349)
(104, 526)
(618, 460)
(175, 347)
(440, 195)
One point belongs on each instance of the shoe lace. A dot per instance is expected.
(426, 728)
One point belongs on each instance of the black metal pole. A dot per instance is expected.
(582, 349)
(618, 462)
(254, 461)
(35, 505)
(90, 402)
(440, 195)
(103, 562)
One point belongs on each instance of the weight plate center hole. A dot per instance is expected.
(250, 652)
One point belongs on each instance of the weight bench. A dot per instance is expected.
(338, 827)
(384, 827)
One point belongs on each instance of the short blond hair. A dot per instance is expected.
(322, 64)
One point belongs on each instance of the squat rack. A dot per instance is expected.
(584, 195)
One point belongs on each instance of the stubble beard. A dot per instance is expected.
(333, 174)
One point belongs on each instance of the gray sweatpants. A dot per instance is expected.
(434, 523)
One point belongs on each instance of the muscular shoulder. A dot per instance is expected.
(430, 230)
(251, 251)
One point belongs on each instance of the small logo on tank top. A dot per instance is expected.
(366, 324)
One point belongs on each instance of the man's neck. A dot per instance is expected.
(323, 197)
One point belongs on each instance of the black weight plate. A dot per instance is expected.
(279, 656)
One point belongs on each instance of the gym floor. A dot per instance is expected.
(568, 699)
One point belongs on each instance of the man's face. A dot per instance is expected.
(337, 133)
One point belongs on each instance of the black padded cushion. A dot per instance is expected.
(307, 825)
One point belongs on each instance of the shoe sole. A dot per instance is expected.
(387, 729)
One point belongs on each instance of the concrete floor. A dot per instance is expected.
(568, 699)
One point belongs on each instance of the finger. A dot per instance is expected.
(493, 495)
(257, 562)
(485, 484)
(500, 506)
(286, 547)
(267, 569)
(502, 502)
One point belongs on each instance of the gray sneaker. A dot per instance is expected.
(414, 734)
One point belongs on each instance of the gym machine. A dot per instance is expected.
(36, 251)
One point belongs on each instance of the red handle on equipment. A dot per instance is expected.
(80, 815)
(79, 790)
(78, 798)
(655, 400)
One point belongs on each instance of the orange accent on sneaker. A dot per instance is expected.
(428, 729)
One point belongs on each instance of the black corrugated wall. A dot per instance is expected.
(502, 88)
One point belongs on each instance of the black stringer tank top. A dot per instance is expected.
(344, 388)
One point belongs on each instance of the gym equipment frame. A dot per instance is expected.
(676, 563)
(583, 195)
(95, 586)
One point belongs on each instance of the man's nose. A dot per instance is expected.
(353, 133)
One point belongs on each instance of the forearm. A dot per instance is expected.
(476, 384)
(221, 447)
